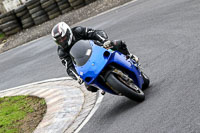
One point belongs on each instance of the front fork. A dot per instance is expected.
(122, 75)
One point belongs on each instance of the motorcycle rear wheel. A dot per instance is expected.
(131, 91)
(146, 81)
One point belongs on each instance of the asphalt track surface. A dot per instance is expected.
(166, 37)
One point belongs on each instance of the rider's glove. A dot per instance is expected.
(107, 44)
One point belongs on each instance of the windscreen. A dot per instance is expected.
(81, 52)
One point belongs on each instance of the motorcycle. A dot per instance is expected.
(108, 70)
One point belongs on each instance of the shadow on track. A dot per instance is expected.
(120, 107)
(123, 104)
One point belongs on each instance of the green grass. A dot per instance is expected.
(2, 36)
(12, 110)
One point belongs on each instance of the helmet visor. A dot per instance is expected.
(60, 40)
(63, 41)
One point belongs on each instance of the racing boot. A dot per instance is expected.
(133, 57)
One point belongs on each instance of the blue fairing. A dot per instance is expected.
(94, 65)
(98, 61)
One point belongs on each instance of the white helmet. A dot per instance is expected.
(62, 34)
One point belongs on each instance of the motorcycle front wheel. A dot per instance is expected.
(121, 86)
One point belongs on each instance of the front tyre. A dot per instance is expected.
(129, 90)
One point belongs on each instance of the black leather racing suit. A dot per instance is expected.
(83, 33)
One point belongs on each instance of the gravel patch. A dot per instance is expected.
(70, 18)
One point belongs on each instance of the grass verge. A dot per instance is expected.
(21, 113)
(2, 36)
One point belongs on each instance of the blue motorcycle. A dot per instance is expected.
(108, 70)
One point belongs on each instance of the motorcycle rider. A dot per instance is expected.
(65, 37)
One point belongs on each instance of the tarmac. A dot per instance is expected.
(69, 104)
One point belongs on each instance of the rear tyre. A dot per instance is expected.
(146, 81)
(130, 90)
